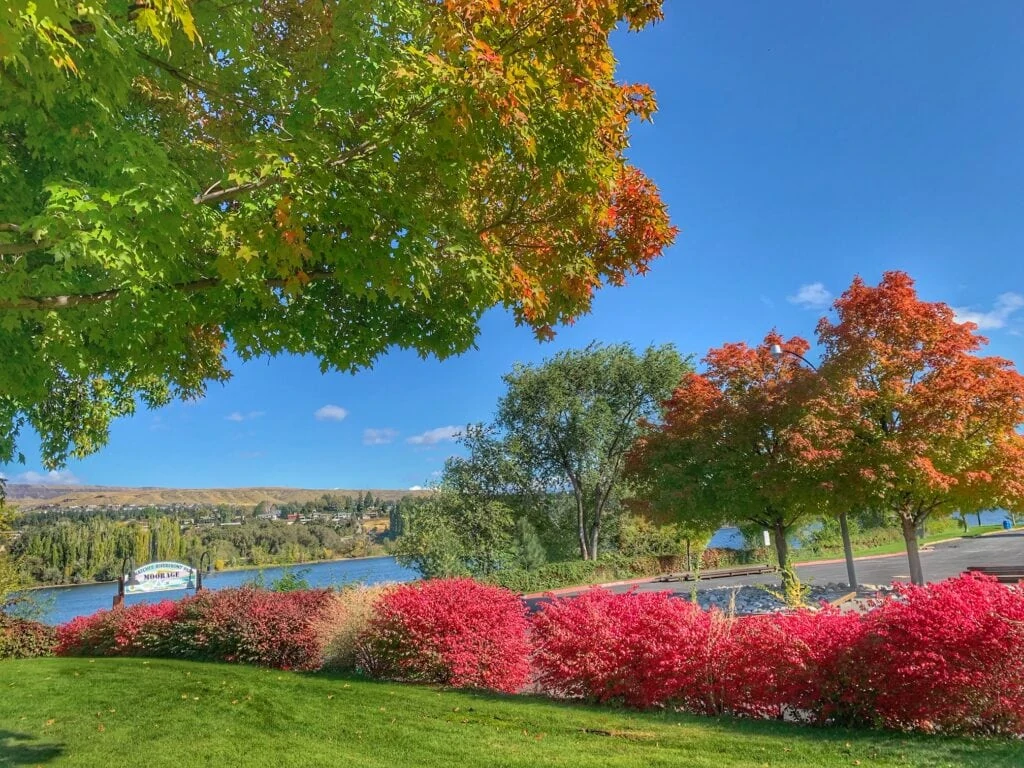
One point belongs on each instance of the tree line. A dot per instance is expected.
(900, 420)
(84, 546)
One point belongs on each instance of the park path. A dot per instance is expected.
(940, 561)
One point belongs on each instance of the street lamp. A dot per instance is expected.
(777, 353)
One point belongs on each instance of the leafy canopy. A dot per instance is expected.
(914, 419)
(732, 448)
(570, 422)
(308, 176)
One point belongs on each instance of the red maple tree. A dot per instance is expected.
(731, 448)
(911, 419)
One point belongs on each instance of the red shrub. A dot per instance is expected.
(275, 629)
(644, 649)
(24, 639)
(137, 630)
(255, 626)
(948, 656)
(451, 631)
(799, 664)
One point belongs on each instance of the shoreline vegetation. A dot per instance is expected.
(593, 573)
(226, 569)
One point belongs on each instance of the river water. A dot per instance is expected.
(62, 604)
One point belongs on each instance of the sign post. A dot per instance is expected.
(205, 557)
(127, 567)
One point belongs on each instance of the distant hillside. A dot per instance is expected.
(28, 497)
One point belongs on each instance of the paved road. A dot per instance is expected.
(939, 561)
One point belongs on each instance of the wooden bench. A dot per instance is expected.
(1006, 574)
(718, 573)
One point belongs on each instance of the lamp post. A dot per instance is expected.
(851, 574)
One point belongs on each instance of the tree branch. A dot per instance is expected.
(101, 297)
(352, 153)
(213, 196)
(14, 249)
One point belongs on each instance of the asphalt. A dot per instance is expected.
(939, 561)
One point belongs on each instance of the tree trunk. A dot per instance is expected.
(595, 526)
(851, 573)
(582, 528)
(913, 555)
(782, 551)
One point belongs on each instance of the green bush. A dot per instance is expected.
(615, 567)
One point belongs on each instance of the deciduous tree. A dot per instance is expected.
(570, 422)
(732, 446)
(311, 176)
(914, 420)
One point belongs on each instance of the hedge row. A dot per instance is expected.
(941, 657)
(944, 657)
(574, 573)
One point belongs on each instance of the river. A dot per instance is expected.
(62, 604)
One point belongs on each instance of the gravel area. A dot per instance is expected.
(747, 600)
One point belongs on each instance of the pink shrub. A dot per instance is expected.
(137, 630)
(274, 629)
(943, 657)
(799, 664)
(644, 649)
(948, 657)
(451, 631)
(254, 626)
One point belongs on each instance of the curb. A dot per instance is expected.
(582, 587)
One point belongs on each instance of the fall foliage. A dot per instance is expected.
(913, 419)
(309, 176)
(731, 448)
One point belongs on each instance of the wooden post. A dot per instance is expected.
(119, 597)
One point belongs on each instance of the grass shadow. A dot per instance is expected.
(22, 749)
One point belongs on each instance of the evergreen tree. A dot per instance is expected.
(529, 549)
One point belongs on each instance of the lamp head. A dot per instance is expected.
(776, 351)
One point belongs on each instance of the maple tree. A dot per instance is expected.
(913, 420)
(298, 175)
(732, 448)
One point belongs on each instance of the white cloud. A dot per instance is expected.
(379, 436)
(238, 416)
(811, 296)
(330, 413)
(415, 487)
(53, 477)
(1006, 304)
(435, 436)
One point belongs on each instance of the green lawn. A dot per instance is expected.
(133, 712)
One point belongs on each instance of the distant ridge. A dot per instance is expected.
(27, 497)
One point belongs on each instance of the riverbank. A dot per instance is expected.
(231, 569)
(57, 605)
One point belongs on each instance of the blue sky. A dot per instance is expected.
(797, 145)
